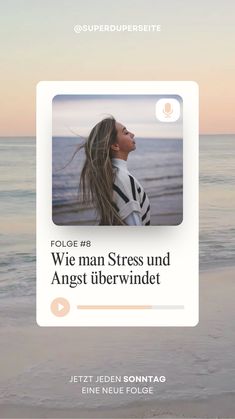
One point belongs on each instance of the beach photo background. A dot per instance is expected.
(157, 161)
(196, 43)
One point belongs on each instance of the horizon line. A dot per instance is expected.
(67, 136)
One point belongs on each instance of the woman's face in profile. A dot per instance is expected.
(125, 138)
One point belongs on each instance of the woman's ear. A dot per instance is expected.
(115, 147)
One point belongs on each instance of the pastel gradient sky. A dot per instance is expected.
(76, 115)
(196, 43)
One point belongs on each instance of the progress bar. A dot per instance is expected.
(119, 307)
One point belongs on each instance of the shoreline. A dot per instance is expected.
(27, 309)
(201, 368)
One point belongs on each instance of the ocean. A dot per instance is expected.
(156, 163)
(38, 362)
(17, 191)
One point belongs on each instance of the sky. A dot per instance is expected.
(38, 43)
(76, 115)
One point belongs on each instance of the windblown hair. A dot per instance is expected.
(97, 176)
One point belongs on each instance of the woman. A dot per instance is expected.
(117, 195)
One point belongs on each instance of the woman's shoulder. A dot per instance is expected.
(124, 177)
(126, 183)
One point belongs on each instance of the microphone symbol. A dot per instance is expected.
(168, 110)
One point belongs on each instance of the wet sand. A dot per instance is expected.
(36, 362)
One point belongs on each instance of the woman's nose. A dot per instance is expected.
(132, 135)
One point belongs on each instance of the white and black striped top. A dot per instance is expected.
(128, 194)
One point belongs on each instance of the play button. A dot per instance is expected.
(60, 307)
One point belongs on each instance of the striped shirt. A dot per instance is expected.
(128, 194)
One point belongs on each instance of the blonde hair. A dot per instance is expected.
(97, 176)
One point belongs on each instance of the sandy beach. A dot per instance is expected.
(198, 362)
(212, 407)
